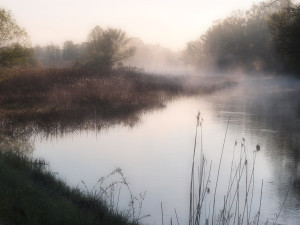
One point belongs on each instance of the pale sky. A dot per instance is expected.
(169, 23)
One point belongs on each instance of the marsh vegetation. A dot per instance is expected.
(66, 96)
(86, 109)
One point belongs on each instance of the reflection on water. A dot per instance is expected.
(155, 149)
(267, 111)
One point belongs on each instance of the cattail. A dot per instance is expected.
(257, 147)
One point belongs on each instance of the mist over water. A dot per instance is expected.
(111, 101)
(155, 153)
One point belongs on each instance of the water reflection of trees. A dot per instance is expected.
(16, 132)
(54, 102)
(271, 111)
(60, 125)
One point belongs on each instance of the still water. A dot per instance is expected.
(155, 155)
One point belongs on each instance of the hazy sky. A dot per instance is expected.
(170, 23)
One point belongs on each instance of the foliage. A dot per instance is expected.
(106, 48)
(240, 40)
(16, 54)
(285, 29)
(49, 55)
(53, 53)
(70, 50)
(14, 42)
(194, 53)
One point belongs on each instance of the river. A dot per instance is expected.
(155, 154)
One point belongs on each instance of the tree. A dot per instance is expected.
(193, 53)
(52, 54)
(242, 40)
(106, 48)
(14, 42)
(70, 51)
(285, 28)
(16, 54)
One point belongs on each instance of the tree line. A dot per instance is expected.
(263, 38)
(104, 48)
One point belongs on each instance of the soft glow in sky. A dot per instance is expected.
(170, 23)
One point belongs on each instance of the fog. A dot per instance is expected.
(155, 59)
(170, 24)
(84, 83)
(169, 37)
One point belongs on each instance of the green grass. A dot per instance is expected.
(31, 194)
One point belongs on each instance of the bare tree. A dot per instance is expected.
(108, 47)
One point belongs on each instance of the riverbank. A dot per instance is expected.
(46, 96)
(31, 194)
(53, 100)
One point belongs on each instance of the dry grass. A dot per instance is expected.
(77, 96)
(238, 206)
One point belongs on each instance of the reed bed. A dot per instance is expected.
(58, 94)
(56, 101)
(238, 206)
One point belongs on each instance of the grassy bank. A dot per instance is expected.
(31, 194)
(60, 95)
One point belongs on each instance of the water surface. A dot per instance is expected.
(155, 154)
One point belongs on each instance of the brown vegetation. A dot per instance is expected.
(47, 96)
